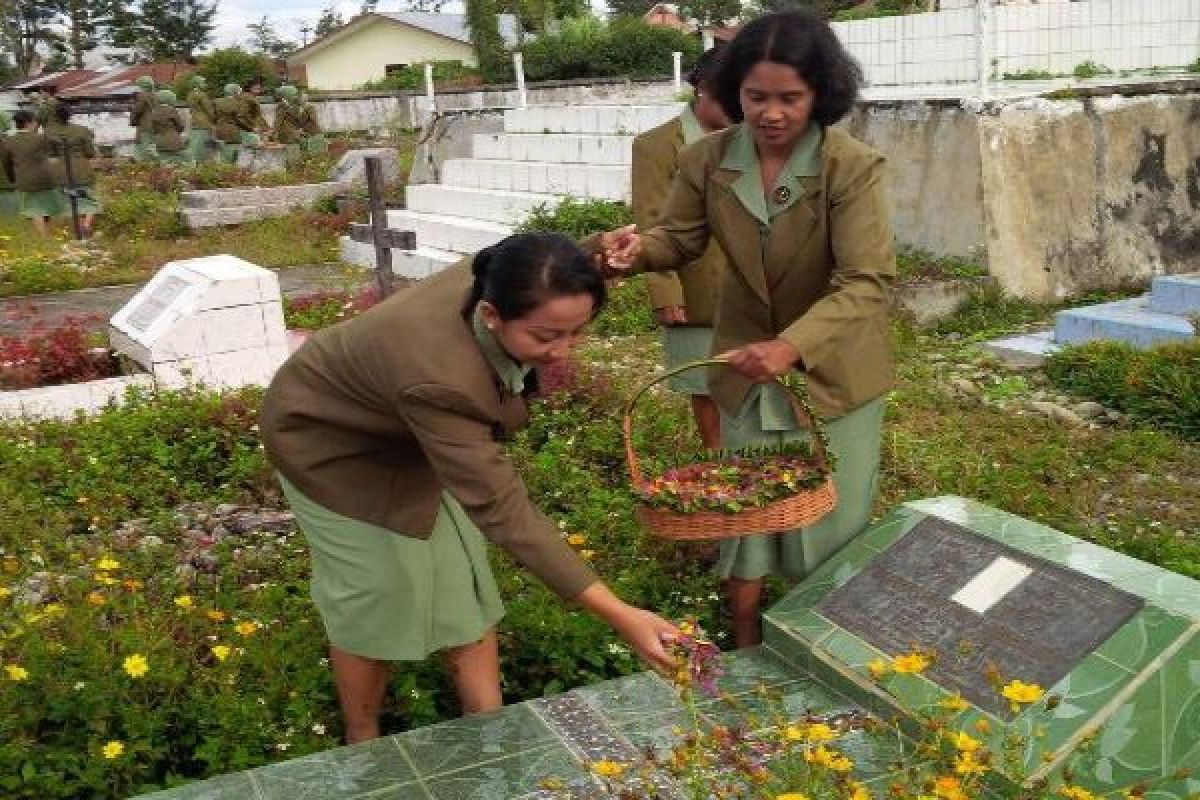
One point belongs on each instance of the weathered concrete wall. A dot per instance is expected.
(451, 136)
(934, 169)
(1094, 193)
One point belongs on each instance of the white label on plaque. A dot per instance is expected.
(990, 586)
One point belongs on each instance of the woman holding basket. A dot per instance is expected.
(800, 209)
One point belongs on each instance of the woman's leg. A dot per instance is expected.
(708, 420)
(361, 686)
(745, 600)
(475, 670)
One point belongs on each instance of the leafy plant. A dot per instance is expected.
(1090, 69)
(412, 76)
(1160, 386)
(1029, 75)
(589, 48)
(49, 355)
(577, 218)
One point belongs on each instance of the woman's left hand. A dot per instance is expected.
(763, 361)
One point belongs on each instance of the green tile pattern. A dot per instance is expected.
(238, 786)
(344, 772)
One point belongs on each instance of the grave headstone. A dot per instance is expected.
(217, 320)
(352, 166)
(1114, 642)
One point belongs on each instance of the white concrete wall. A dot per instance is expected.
(942, 47)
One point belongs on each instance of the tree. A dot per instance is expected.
(265, 40)
(330, 18)
(235, 65)
(368, 6)
(27, 30)
(164, 30)
(630, 8)
(710, 12)
(83, 21)
(424, 5)
(484, 28)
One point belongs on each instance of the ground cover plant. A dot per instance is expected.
(154, 621)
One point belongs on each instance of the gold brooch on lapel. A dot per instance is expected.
(781, 195)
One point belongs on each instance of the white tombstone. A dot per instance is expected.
(216, 320)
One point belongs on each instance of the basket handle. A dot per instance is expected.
(800, 407)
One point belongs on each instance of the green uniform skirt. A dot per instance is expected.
(200, 145)
(46, 203)
(392, 597)
(85, 201)
(683, 344)
(10, 203)
(855, 440)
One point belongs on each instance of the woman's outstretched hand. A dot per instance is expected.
(763, 361)
(646, 632)
(620, 248)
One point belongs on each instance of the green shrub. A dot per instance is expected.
(144, 214)
(577, 218)
(989, 312)
(1194, 66)
(1029, 75)
(589, 48)
(1090, 69)
(413, 77)
(37, 274)
(1159, 386)
(235, 65)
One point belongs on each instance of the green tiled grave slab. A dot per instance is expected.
(509, 777)
(238, 786)
(1158, 586)
(626, 700)
(344, 772)
(757, 710)
(459, 743)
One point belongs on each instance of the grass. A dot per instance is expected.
(914, 265)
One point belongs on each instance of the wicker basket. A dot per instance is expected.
(795, 511)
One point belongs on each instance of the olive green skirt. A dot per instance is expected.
(46, 203)
(683, 344)
(392, 597)
(855, 440)
(10, 203)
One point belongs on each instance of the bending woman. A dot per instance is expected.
(386, 432)
(799, 208)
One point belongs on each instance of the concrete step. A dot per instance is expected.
(444, 232)
(490, 205)
(415, 264)
(611, 119)
(563, 148)
(304, 194)
(1024, 350)
(1176, 294)
(591, 181)
(213, 217)
(1129, 321)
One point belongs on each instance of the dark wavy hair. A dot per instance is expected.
(705, 68)
(519, 273)
(798, 39)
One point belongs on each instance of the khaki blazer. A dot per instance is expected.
(655, 161)
(818, 275)
(376, 416)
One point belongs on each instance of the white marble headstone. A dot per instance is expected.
(216, 320)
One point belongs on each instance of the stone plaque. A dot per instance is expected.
(981, 605)
(156, 302)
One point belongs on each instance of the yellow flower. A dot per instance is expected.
(55, 610)
(830, 759)
(608, 769)
(221, 651)
(108, 564)
(246, 627)
(5, 592)
(967, 763)
(819, 732)
(11, 565)
(104, 579)
(878, 669)
(16, 673)
(577, 540)
(136, 665)
(587, 554)
(983, 726)
(215, 615)
(965, 742)
(112, 750)
(96, 598)
(791, 796)
(858, 790)
(185, 602)
(948, 787)
(911, 663)
(955, 703)
(131, 585)
(1075, 793)
(1019, 693)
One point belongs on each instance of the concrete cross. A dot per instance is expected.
(378, 233)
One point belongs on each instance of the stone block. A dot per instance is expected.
(352, 169)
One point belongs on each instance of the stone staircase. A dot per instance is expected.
(1161, 316)
(206, 208)
(544, 155)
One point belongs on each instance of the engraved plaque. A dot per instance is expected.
(978, 603)
(159, 299)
